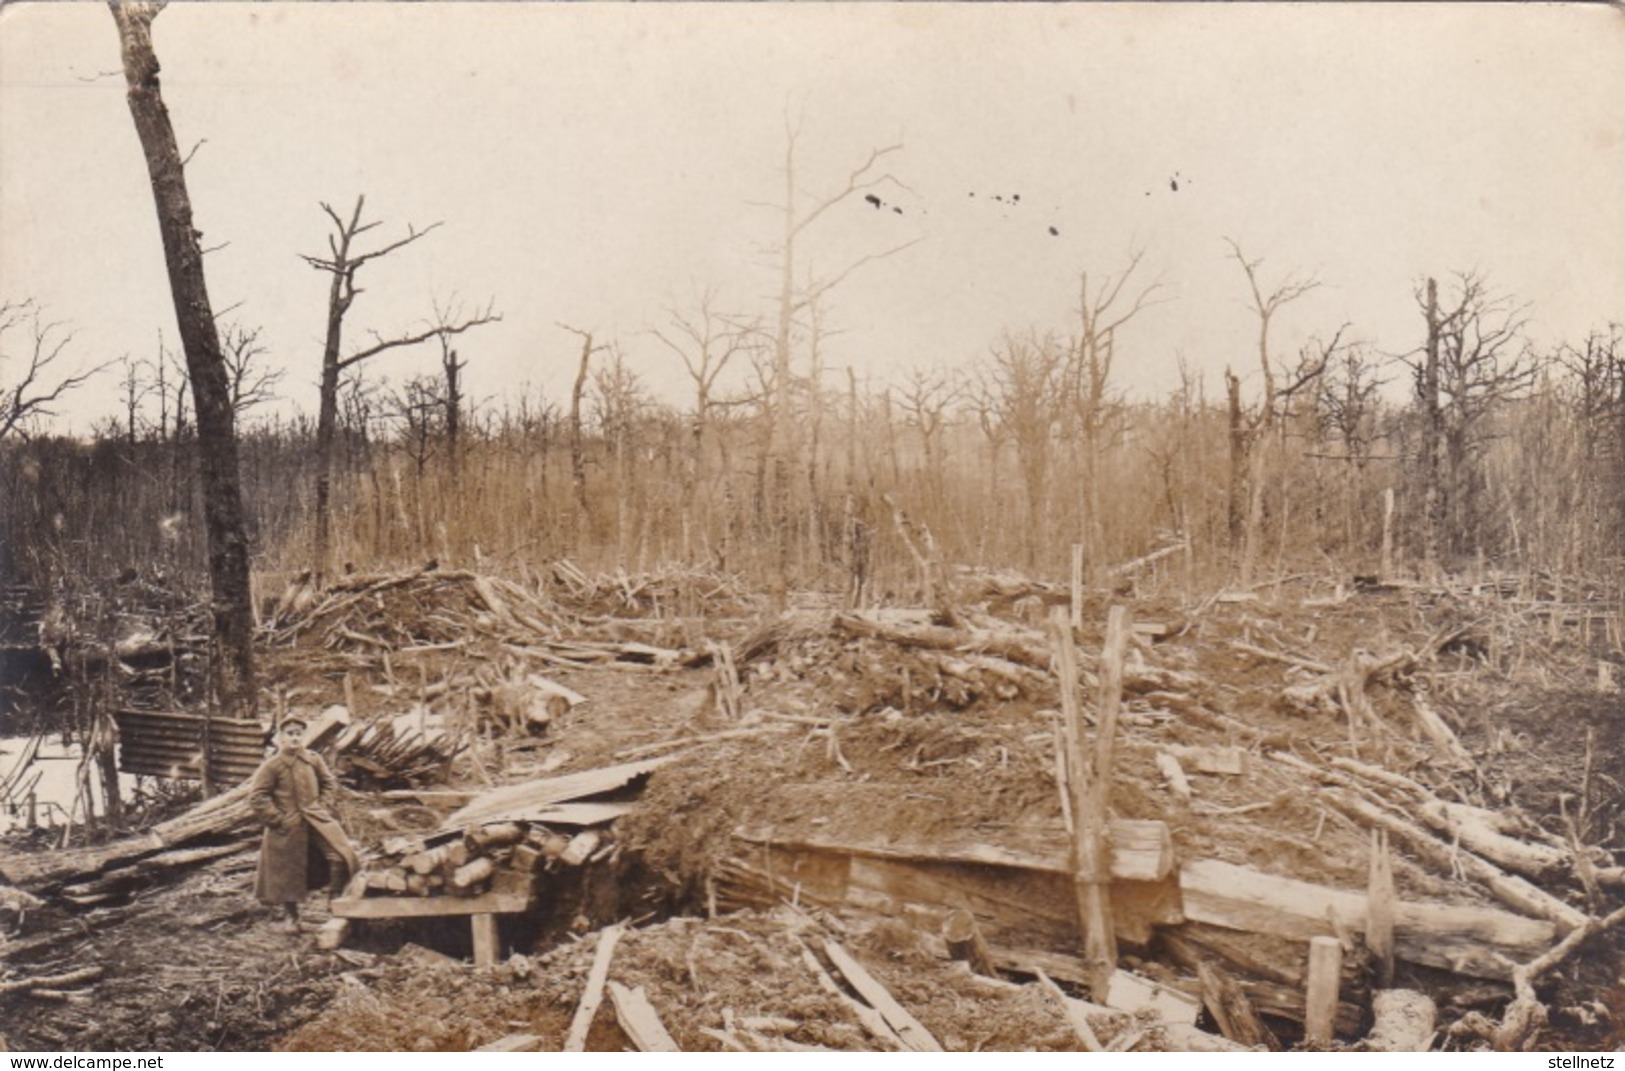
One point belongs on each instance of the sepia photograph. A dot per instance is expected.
(812, 527)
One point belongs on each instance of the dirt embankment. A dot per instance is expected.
(816, 733)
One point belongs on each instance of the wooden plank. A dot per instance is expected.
(1469, 940)
(912, 1032)
(419, 907)
(639, 1020)
(592, 994)
(528, 798)
(1129, 992)
(872, 1020)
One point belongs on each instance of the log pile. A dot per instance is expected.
(505, 858)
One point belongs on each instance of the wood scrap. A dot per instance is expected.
(870, 1019)
(914, 1035)
(1231, 1010)
(639, 1020)
(1074, 1013)
(592, 994)
(530, 799)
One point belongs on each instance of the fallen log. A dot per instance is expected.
(1467, 826)
(1403, 1021)
(51, 981)
(1474, 941)
(1509, 889)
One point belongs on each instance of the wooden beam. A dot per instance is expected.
(1142, 849)
(422, 907)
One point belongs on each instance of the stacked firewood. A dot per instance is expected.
(500, 857)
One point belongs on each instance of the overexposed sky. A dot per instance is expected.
(596, 164)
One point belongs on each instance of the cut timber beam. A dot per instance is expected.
(1475, 941)
(1141, 850)
(409, 907)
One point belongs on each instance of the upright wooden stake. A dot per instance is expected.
(1387, 534)
(1379, 911)
(1077, 586)
(1320, 996)
(1089, 785)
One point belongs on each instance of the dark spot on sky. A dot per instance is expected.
(899, 211)
(1054, 233)
(1015, 197)
(872, 199)
(1173, 184)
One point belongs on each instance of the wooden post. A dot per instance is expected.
(1387, 534)
(1379, 911)
(485, 939)
(1077, 587)
(1320, 996)
(1088, 785)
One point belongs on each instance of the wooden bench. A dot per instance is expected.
(482, 912)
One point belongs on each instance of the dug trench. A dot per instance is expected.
(848, 788)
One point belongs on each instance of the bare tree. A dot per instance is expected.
(252, 382)
(1028, 370)
(217, 437)
(33, 392)
(578, 449)
(793, 299)
(1101, 315)
(925, 396)
(1474, 359)
(342, 263)
(706, 342)
(1247, 432)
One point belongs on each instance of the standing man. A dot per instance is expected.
(304, 847)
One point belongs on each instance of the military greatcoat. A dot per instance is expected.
(291, 796)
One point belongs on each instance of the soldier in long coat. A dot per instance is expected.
(304, 846)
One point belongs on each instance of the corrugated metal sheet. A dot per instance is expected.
(171, 745)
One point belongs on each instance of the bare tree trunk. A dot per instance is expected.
(1432, 419)
(578, 457)
(233, 666)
